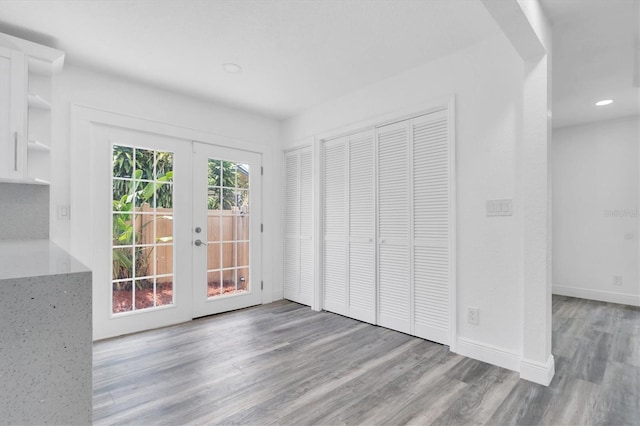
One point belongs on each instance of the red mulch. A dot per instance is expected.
(164, 296)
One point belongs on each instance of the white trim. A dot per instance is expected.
(538, 372)
(453, 227)
(388, 118)
(600, 295)
(42, 59)
(488, 353)
(303, 145)
(318, 291)
(116, 119)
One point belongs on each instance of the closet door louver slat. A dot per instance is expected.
(362, 260)
(335, 226)
(306, 227)
(394, 227)
(291, 258)
(298, 223)
(431, 213)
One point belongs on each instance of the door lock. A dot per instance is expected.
(198, 230)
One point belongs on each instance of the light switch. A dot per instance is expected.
(63, 212)
(499, 207)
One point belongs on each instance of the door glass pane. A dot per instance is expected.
(142, 232)
(227, 228)
(214, 286)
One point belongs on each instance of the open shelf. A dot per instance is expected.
(35, 145)
(36, 101)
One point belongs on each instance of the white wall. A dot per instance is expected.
(595, 169)
(78, 85)
(487, 80)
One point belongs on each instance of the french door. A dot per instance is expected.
(226, 229)
(175, 230)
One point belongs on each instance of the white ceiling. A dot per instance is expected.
(596, 49)
(299, 53)
(294, 54)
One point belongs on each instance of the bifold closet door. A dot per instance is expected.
(335, 197)
(306, 227)
(388, 212)
(432, 215)
(394, 230)
(362, 205)
(298, 242)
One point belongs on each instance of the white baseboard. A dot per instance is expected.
(537, 372)
(533, 371)
(603, 296)
(488, 353)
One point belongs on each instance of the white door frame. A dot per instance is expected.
(83, 155)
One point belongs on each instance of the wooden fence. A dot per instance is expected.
(227, 238)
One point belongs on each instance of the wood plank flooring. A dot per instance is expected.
(283, 364)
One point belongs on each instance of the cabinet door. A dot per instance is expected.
(362, 260)
(335, 179)
(431, 226)
(13, 86)
(394, 254)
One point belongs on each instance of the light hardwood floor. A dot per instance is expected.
(285, 364)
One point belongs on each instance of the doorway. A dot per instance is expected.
(178, 236)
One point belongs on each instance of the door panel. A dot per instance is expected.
(394, 219)
(336, 203)
(226, 233)
(299, 248)
(432, 226)
(140, 223)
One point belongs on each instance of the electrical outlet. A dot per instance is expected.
(64, 212)
(473, 315)
(617, 280)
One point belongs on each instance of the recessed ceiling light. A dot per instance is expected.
(604, 102)
(232, 68)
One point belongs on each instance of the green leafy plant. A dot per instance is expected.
(131, 190)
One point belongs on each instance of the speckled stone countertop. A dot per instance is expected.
(35, 258)
(45, 337)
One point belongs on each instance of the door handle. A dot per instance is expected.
(15, 151)
(199, 243)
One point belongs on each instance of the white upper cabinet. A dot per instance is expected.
(25, 109)
(13, 112)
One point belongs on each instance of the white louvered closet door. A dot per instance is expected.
(298, 243)
(306, 227)
(394, 227)
(362, 253)
(291, 227)
(335, 178)
(431, 226)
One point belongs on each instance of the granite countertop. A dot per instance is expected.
(34, 258)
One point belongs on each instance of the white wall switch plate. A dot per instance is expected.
(499, 207)
(64, 212)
